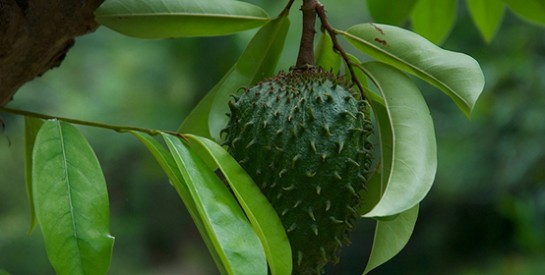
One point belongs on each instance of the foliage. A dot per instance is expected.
(434, 20)
(189, 168)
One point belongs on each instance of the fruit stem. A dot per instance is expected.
(306, 48)
(305, 59)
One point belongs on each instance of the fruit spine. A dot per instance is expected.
(303, 137)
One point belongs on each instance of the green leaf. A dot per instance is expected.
(456, 74)
(434, 19)
(179, 18)
(390, 237)
(259, 211)
(392, 12)
(487, 15)
(71, 201)
(532, 11)
(257, 62)
(168, 164)
(326, 57)
(32, 126)
(378, 181)
(232, 236)
(407, 142)
(166, 161)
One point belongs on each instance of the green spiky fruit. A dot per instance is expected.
(303, 137)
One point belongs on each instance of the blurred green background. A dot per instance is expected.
(484, 215)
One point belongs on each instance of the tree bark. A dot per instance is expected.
(35, 36)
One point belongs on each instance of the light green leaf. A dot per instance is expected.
(456, 74)
(532, 11)
(71, 201)
(390, 237)
(179, 18)
(408, 147)
(257, 62)
(32, 126)
(166, 161)
(232, 236)
(168, 164)
(392, 12)
(487, 15)
(434, 19)
(379, 179)
(259, 211)
(326, 57)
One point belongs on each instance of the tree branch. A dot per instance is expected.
(117, 128)
(320, 10)
(35, 36)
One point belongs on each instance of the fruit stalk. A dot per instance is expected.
(306, 48)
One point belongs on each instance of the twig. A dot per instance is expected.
(117, 128)
(286, 9)
(320, 10)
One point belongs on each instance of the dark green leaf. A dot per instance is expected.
(456, 74)
(487, 15)
(434, 19)
(259, 211)
(232, 236)
(32, 126)
(390, 237)
(71, 201)
(257, 62)
(179, 18)
(408, 147)
(326, 57)
(530, 10)
(166, 161)
(392, 12)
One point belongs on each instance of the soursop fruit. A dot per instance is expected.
(303, 137)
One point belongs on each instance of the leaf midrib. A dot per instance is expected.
(257, 18)
(69, 188)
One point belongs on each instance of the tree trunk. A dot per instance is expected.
(35, 36)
